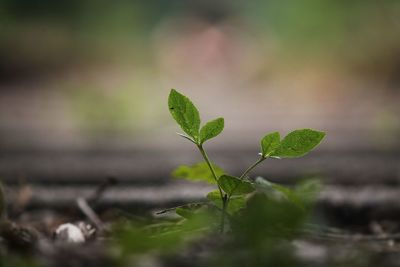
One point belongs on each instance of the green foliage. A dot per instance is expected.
(298, 143)
(308, 190)
(197, 172)
(267, 218)
(269, 143)
(234, 185)
(185, 212)
(236, 203)
(211, 129)
(165, 236)
(193, 210)
(260, 216)
(232, 191)
(302, 195)
(185, 114)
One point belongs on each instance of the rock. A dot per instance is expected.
(69, 233)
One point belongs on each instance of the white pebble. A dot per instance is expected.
(69, 233)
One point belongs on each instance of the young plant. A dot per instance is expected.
(231, 190)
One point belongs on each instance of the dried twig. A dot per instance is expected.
(109, 181)
(89, 212)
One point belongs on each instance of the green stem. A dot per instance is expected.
(261, 159)
(225, 201)
(224, 198)
(204, 154)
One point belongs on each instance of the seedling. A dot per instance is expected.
(231, 190)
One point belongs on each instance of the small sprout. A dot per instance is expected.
(230, 189)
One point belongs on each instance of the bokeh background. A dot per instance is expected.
(84, 85)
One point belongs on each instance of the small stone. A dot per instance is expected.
(70, 233)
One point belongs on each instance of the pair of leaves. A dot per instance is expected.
(187, 116)
(198, 172)
(295, 144)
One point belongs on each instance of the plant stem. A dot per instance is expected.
(204, 154)
(261, 159)
(225, 201)
(224, 198)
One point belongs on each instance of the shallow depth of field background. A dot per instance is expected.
(94, 76)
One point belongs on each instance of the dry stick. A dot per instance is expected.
(109, 181)
(88, 211)
(84, 206)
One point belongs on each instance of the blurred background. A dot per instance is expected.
(84, 86)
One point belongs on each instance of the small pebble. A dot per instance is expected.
(70, 233)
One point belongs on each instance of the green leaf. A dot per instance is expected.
(163, 236)
(214, 196)
(308, 190)
(197, 172)
(298, 143)
(269, 143)
(186, 213)
(185, 113)
(235, 204)
(211, 129)
(278, 191)
(234, 185)
(288, 193)
(191, 210)
(302, 195)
